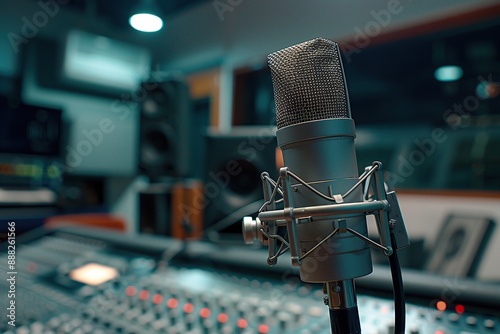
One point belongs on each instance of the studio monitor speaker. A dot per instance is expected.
(165, 125)
(232, 183)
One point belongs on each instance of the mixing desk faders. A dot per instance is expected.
(83, 281)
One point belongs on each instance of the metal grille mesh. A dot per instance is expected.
(308, 81)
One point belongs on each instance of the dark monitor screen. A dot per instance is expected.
(29, 129)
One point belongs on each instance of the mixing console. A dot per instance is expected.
(76, 281)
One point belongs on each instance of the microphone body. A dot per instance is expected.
(322, 153)
(316, 135)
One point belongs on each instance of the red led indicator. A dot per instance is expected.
(205, 313)
(263, 329)
(157, 299)
(130, 291)
(242, 323)
(222, 318)
(172, 303)
(441, 306)
(459, 308)
(188, 308)
(144, 295)
(439, 332)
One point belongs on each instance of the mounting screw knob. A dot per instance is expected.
(250, 230)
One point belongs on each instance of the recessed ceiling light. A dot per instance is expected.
(146, 17)
(146, 22)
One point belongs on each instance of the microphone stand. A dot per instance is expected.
(340, 295)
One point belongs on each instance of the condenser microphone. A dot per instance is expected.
(324, 200)
(316, 135)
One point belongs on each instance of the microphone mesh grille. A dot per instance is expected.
(309, 84)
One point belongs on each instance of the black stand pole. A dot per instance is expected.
(345, 321)
(341, 300)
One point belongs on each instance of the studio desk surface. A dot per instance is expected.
(76, 280)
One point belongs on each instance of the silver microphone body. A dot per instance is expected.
(322, 153)
(316, 135)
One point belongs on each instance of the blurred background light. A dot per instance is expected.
(487, 90)
(448, 73)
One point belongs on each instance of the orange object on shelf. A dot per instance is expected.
(187, 210)
(101, 220)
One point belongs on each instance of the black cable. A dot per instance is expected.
(212, 232)
(399, 298)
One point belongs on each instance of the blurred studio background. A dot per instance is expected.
(166, 132)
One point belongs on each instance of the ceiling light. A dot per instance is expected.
(146, 17)
(448, 73)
